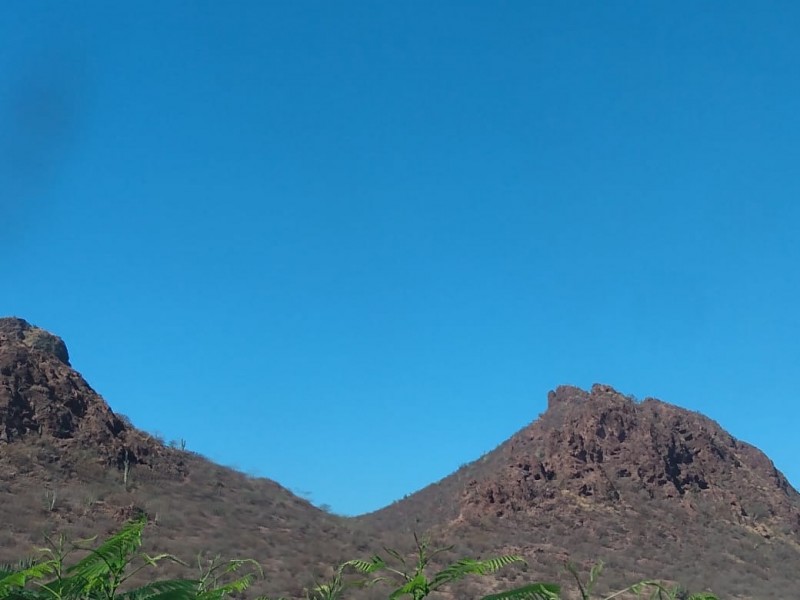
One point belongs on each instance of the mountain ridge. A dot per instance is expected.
(68, 463)
(610, 408)
(646, 484)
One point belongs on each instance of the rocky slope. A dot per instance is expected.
(42, 397)
(603, 449)
(646, 486)
(651, 489)
(69, 464)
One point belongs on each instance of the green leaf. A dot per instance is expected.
(175, 589)
(534, 591)
(468, 566)
(396, 555)
(418, 587)
(10, 578)
(112, 556)
(218, 592)
(364, 566)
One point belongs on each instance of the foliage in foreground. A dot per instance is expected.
(414, 582)
(105, 572)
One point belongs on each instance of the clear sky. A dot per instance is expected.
(350, 246)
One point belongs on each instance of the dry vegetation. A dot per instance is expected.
(647, 488)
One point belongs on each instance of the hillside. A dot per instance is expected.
(648, 487)
(63, 461)
(651, 489)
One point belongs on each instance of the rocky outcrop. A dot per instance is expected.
(42, 396)
(648, 487)
(15, 330)
(69, 464)
(603, 449)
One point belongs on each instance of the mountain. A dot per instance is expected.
(651, 489)
(648, 487)
(69, 464)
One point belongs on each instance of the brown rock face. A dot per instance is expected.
(603, 449)
(649, 488)
(42, 396)
(69, 465)
(14, 330)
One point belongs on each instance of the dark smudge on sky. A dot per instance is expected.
(42, 98)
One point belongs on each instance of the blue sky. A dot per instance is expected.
(350, 246)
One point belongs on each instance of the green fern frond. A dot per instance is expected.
(175, 589)
(534, 591)
(417, 587)
(395, 554)
(594, 574)
(470, 566)
(153, 561)
(11, 579)
(364, 566)
(112, 555)
(220, 591)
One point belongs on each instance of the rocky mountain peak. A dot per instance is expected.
(604, 449)
(44, 401)
(15, 330)
(568, 396)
